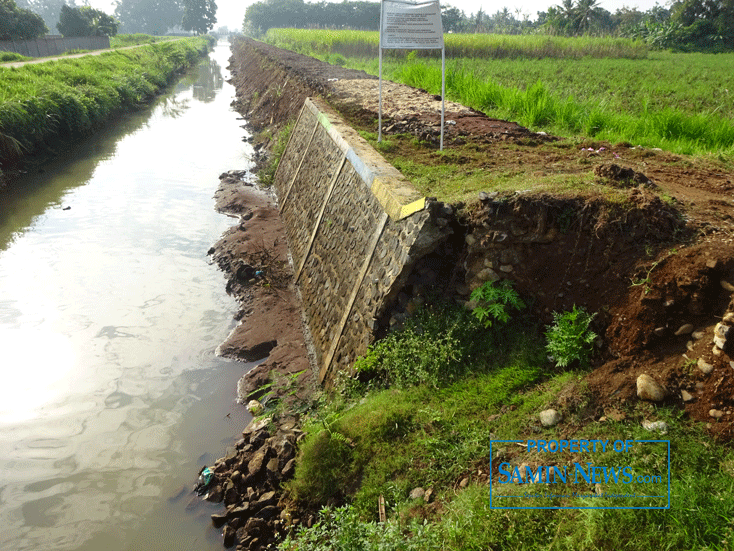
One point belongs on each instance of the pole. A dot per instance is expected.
(443, 91)
(379, 110)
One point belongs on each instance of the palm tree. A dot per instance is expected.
(587, 13)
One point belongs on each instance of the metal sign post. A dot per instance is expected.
(412, 26)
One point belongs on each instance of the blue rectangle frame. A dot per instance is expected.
(491, 506)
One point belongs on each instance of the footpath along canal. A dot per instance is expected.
(110, 313)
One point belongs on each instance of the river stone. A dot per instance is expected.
(255, 426)
(704, 366)
(685, 329)
(649, 389)
(687, 396)
(727, 286)
(289, 468)
(267, 512)
(722, 334)
(254, 407)
(255, 464)
(229, 534)
(655, 426)
(549, 417)
(215, 494)
(219, 519)
(716, 413)
(268, 498)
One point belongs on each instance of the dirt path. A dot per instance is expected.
(14, 64)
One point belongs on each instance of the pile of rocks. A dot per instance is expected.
(248, 482)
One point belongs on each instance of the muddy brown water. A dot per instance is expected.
(112, 396)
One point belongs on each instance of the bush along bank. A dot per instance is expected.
(45, 104)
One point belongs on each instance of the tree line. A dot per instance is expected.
(686, 25)
(28, 19)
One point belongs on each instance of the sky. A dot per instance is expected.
(232, 12)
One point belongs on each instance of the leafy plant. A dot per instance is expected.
(433, 347)
(493, 300)
(569, 338)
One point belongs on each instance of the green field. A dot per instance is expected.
(66, 99)
(679, 102)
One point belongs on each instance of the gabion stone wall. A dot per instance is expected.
(355, 228)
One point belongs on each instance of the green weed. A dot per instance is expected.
(493, 299)
(569, 338)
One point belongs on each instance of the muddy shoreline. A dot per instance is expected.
(253, 254)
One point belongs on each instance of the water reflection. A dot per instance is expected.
(209, 81)
(109, 317)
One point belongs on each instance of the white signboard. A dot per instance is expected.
(410, 26)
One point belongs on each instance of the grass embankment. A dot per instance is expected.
(63, 100)
(124, 40)
(678, 102)
(455, 386)
(6, 57)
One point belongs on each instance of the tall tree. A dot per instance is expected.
(72, 22)
(18, 23)
(199, 15)
(86, 21)
(148, 16)
(50, 10)
(453, 19)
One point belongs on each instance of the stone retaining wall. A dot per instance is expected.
(355, 229)
(54, 45)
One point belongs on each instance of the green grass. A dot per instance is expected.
(682, 103)
(66, 99)
(123, 40)
(6, 57)
(369, 441)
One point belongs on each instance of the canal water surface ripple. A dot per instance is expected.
(112, 397)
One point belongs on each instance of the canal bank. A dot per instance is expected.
(48, 106)
(109, 319)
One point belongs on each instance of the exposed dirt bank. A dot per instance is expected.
(254, 256)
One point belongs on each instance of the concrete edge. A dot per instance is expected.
(396, 195)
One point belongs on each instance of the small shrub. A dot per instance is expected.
(569, 338)
(493, 299)
(433, 347)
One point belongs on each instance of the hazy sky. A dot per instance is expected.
(232, 12)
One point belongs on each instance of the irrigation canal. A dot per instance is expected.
(111, 394)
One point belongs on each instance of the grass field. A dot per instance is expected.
(65, 99)
(679, 102)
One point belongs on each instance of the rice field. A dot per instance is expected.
(680, 102)
(478, 46)
(67, 99)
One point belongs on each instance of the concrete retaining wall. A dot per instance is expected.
(355, 228)
(54, 45)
